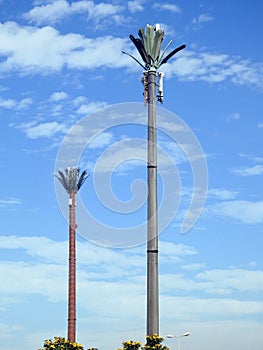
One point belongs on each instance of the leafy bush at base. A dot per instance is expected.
(153, 342)
(60, 344)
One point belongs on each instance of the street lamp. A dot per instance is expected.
(178, 338)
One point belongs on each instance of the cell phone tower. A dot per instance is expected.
(72, 180)
(149, 46)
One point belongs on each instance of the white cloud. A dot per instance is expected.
(57, 10)
(243, 211)
(101, 140)
(15, 104)
(26, 49)
(215, 68)
(249, 171)
(47, 129)
(135, 6)
(193, 267)
(167, 7)
(59, 96)
(9, 202)
(232, 279)
(119, 276)
(49, 13)
(90, 107)
(222, 194)
(233, 116)
(203, 18)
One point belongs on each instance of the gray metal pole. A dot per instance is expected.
(152, 220)
(72, 270)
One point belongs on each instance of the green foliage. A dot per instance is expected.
(131, 345)
(149, 46)
(60, 344)
(154, 342)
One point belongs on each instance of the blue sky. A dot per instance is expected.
(61, 65)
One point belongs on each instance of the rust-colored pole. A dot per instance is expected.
(72, 270)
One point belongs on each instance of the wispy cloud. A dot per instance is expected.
(248, 171)
(233, 279)
(47, 129)
(233, 116)
(112, 274)
(59, 96)
(15, 104)
(101, 140)
(25, 50)
(86, 107)
(202, 18)
(55, 11)
(216, 68)
(246, 212)
(167, 7)
(222, 194)
(135, 6)
(9, 202)
(71, 51)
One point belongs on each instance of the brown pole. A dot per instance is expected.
(72, 271)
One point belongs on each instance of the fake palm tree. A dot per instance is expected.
(72, 180)
(149, 47)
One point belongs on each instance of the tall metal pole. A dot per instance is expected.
(72, 182)
(152, 219)
(149, 45)
(72, 270)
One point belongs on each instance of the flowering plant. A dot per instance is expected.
(60, 344)
(131, 345)
(153, 342)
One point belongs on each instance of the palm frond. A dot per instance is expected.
(83, 177)
(148, 44)
(135, 59)
(140, 47)
(142, 36)
(157, 43)
(63, 180)
(70, 179)
(171, 54)
(165, 49)
(149, 39)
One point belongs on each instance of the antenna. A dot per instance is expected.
(145, 86)
(160, 87)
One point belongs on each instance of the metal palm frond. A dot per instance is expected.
(149, 46)
(83, 177)
(70, 179)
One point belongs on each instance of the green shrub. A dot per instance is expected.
(60, 344)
